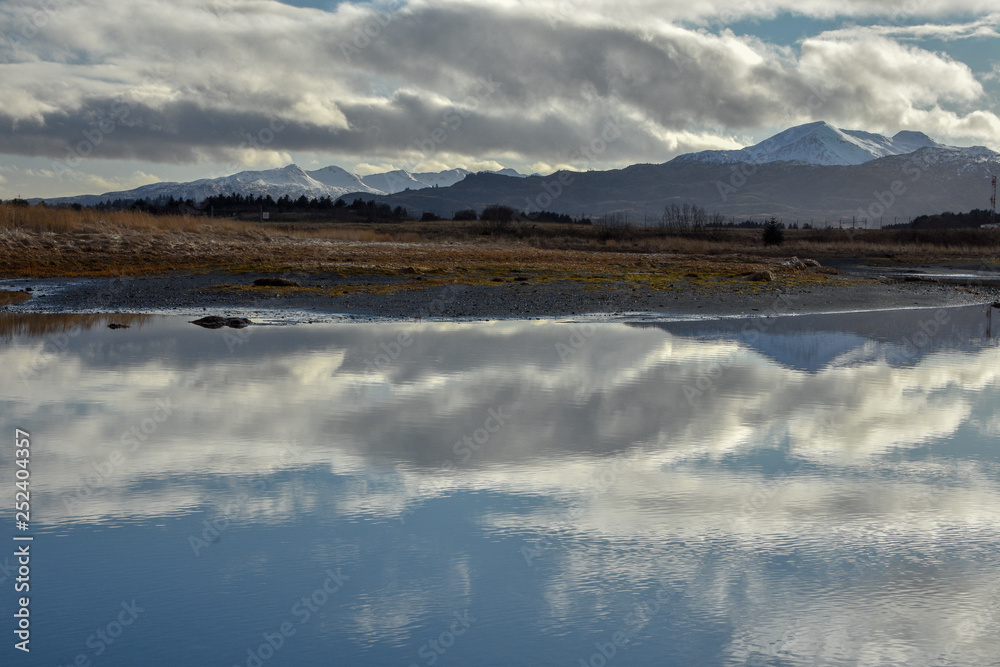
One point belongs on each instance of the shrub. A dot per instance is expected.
(774, 233)
(497, 218)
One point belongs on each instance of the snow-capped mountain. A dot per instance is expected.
(292, 180)
(335, 177)
(881, 191)
(819, 143)
(391, 182)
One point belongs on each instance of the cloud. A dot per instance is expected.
(983, 27)
(450, 84)
(17, 181)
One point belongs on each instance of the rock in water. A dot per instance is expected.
(216, 322)
(275, 282)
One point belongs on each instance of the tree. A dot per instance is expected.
(497, 218)
(774, 233)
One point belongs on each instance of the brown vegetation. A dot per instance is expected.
(43, 241)
(8, 298)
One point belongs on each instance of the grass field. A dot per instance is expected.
(49, 242)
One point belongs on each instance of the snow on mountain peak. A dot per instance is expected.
(290, 180)
(819, 143)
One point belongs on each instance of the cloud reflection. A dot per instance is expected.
(761, 484)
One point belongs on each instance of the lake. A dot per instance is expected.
(820, 489)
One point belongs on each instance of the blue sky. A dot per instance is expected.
(98, 96)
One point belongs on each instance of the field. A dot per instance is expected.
(359, 258)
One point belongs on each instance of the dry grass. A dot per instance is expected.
(51, 242)
(8, 298)
(63, 220)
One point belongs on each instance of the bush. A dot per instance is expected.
(613, 226)
(497, 219)
(774, 233)
(466, 214)
(429, 217)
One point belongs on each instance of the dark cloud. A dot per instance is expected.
(467, 81)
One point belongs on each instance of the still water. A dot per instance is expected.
(815, 490)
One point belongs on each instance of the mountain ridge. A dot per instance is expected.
(291, 180)
(809, 172)
(819, 143)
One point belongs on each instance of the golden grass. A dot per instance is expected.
(62, 220)
(47, 219)
(8, 298)
(55, 242)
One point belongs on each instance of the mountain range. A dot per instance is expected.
(291, 180)
(819, 143)
(813, 173)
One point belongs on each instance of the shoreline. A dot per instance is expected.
(60, 261)
(376, 296)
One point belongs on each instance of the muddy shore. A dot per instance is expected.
(320, 296)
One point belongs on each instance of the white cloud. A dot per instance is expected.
(983, 27)
(44, 182)
(187, 82)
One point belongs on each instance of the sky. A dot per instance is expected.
(102, 95)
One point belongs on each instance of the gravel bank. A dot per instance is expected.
(322, 296)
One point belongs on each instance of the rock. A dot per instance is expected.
(829, 270)
(216, 322)
(762, 276)
(996, 304)
(796, 264)
(117, 325)
(275, 282)
(812, 263)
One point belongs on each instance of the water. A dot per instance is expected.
(783, 491)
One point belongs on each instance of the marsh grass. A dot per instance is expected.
(50, 241)
(8, 298)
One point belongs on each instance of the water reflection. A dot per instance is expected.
(802, 491)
